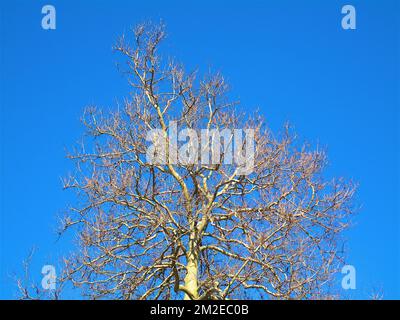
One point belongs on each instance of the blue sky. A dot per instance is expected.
(290, 59)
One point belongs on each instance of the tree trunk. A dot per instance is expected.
(192, 265)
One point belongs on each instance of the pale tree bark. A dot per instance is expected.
(192, 266)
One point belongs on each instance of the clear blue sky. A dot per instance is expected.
(291, 59)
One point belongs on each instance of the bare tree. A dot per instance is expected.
(167, 230)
